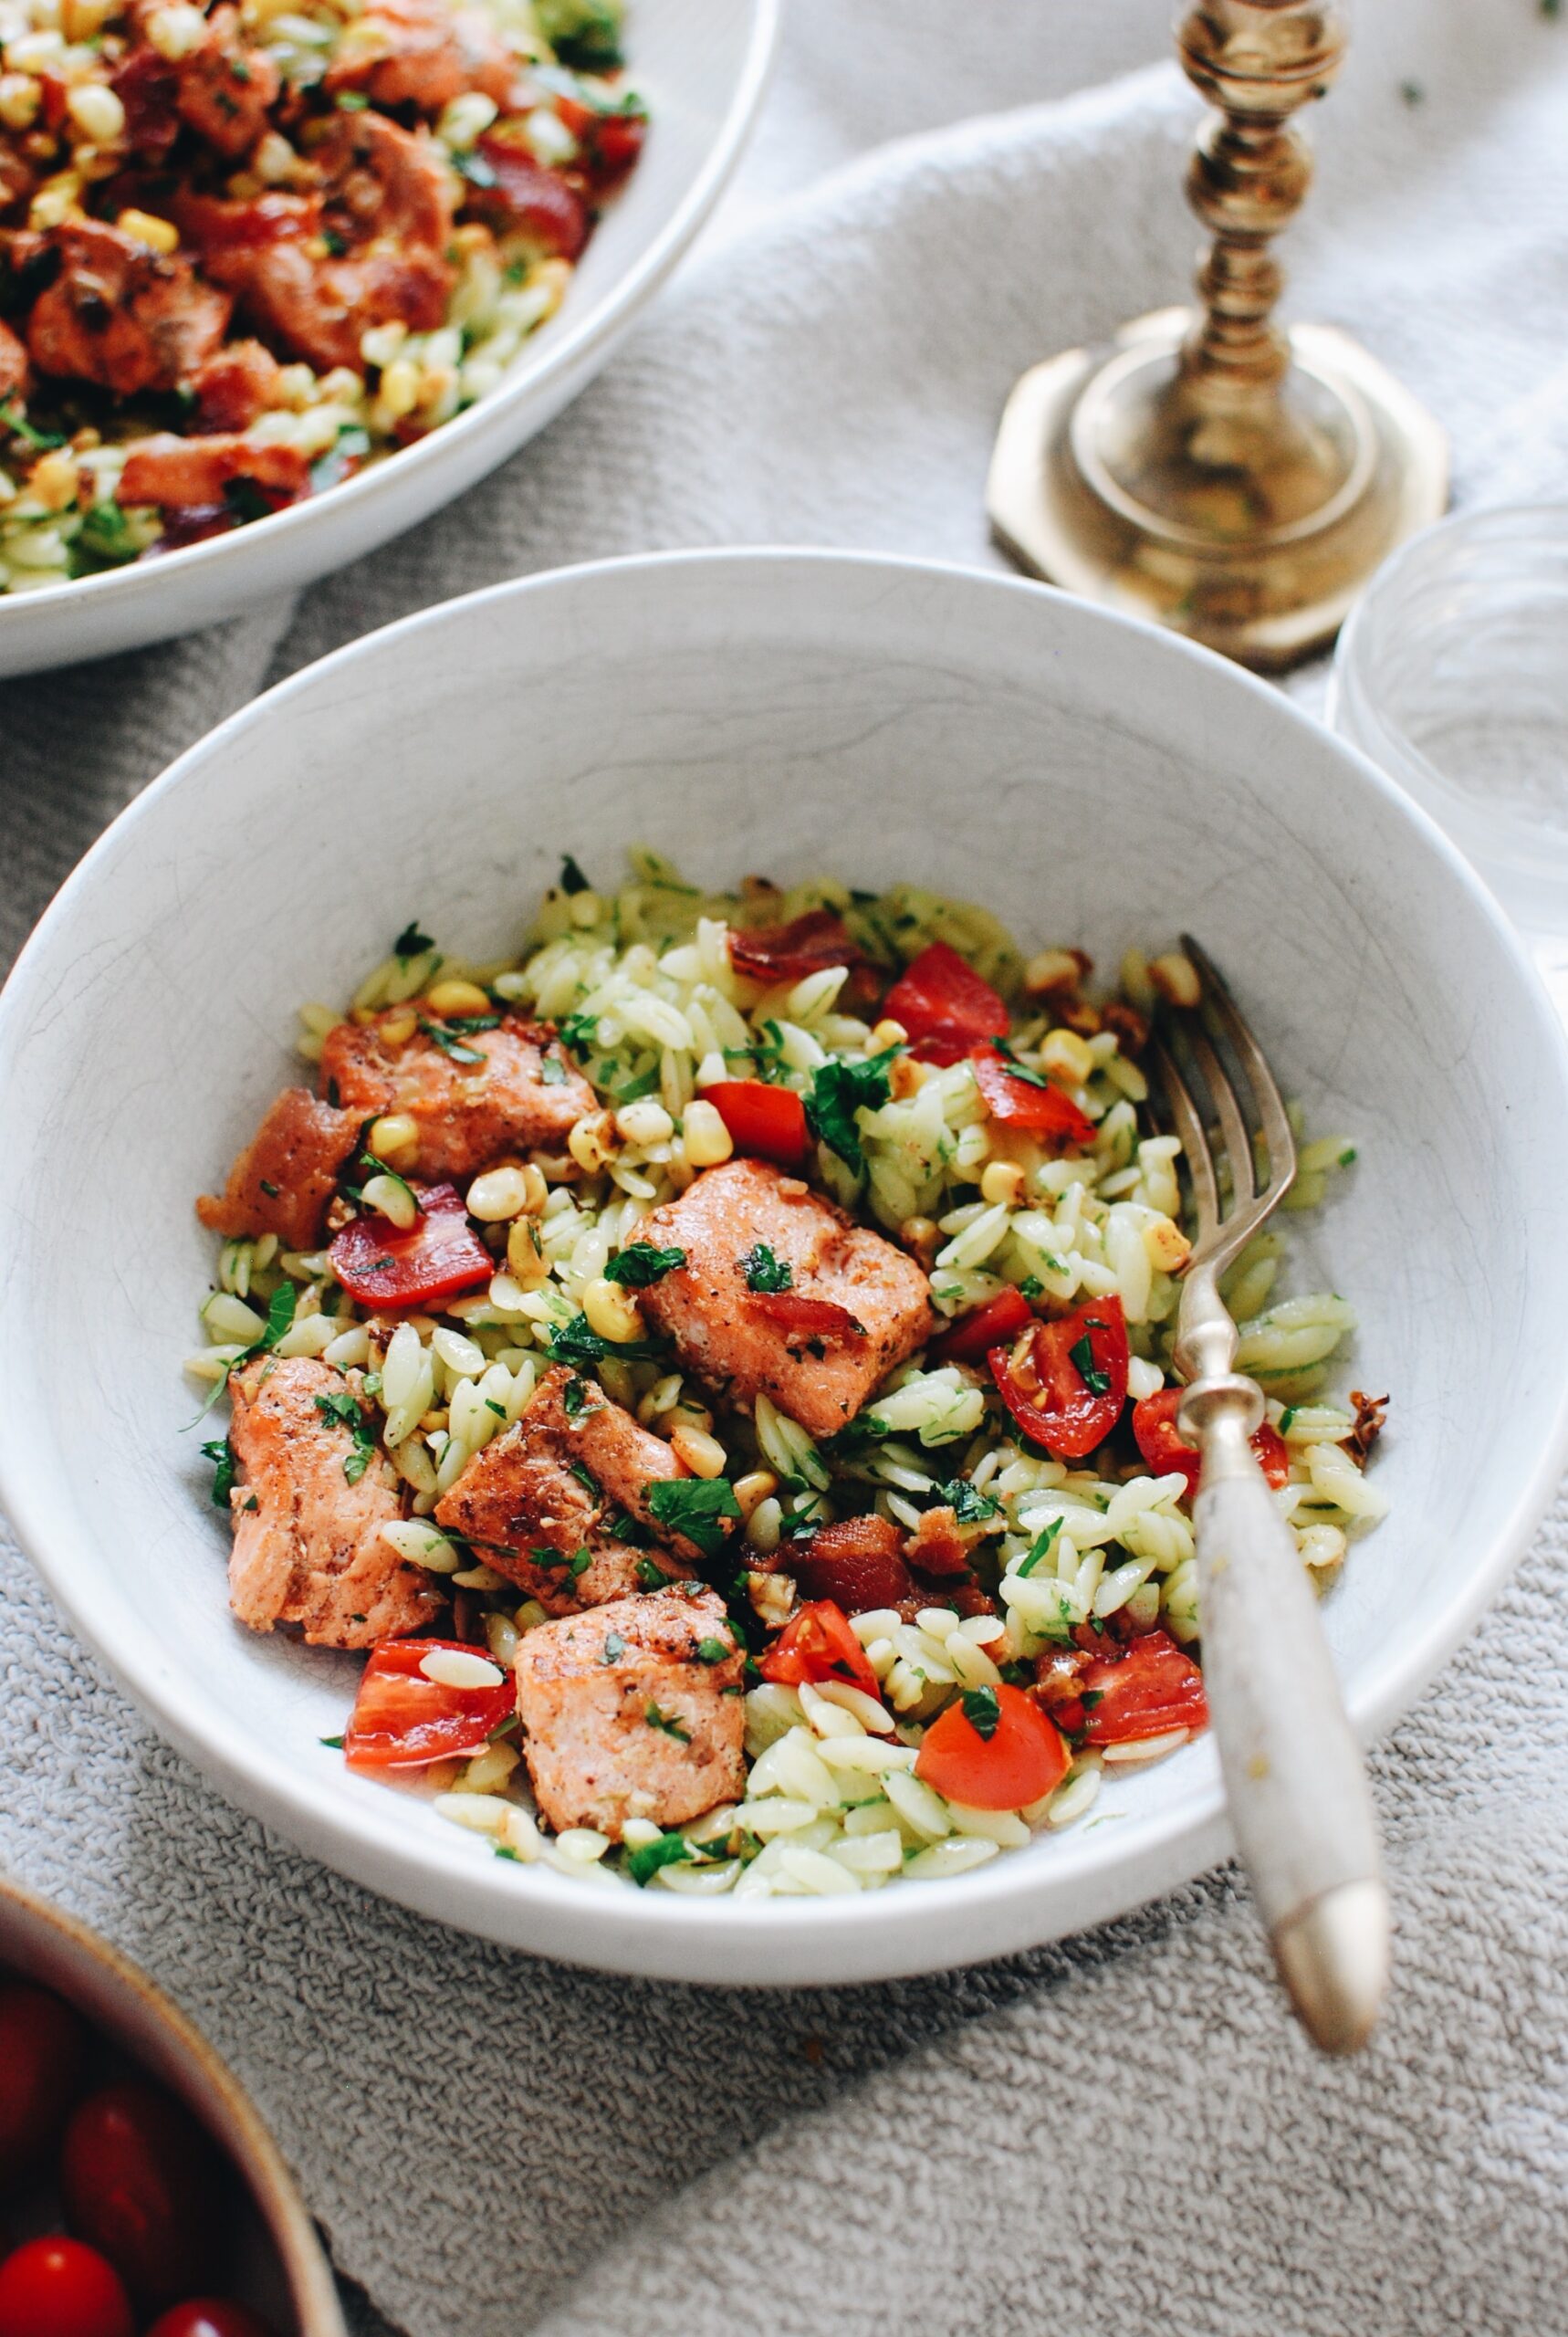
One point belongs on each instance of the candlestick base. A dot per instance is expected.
(1245, 514)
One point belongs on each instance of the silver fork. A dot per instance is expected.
(1294, 1779)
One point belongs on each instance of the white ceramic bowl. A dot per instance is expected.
(702, 65)
(1091, 780)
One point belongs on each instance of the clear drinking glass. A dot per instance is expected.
(1452, 673)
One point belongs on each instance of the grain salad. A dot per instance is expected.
(717, 1364)
(247, 248)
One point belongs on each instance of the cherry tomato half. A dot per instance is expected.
(945, 1006)
(209, 2317)
(1024, 1101)
(993, 1749)
(402, 1718)
(43, 2044)
(816, 1644)
(1151, 1688)
(1163, 1446)
(439, 1255)
(986, 1327)
(57, 2287)
(145, 2184)
(764, 1122)
(1065, 1382)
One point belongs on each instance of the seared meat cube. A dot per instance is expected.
(469, 1113)
(117, 312)
(570, 1477)
(767, 1343)
(284, 1179)
(307, 1543)
(634, 1711)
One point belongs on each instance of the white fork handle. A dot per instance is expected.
(1294, 1776)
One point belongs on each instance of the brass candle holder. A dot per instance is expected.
(1207, 469)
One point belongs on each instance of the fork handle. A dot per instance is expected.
(1294, 1778)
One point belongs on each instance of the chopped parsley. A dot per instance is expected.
(369, 1163)
(1015, 1070)
(763, 1270)
(1286, 1417)
(355, 101)
(585, 1477)
(644, 1863)
(552, 1071)
(647, 1083)
(105, 539)
(614, 1648)
(581, 1562)
(445, 1035)
(579, 1344)
(351, 446)
(473, 168)
(713, 1652)
(1042, 1547)
(982, 1712)
(411, 942)
(573, 1397)
(839, 1092)
(1082, 1355)
(652, 1576)
(41, 441)
(220, 1453)
(341, 1407)
(244, 497)
(1031, 1287)
(642, 1266)
(668, 1726)
(334, 1743)
(577, 1034)
(967, 1503)
(572, 879)
(269, 1189)
(694, 1507)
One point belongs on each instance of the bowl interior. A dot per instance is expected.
(1091, 782)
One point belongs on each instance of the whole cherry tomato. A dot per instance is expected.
(1160, 1443)
(145, 2183)
(209, 2317)
(57, 2287)
(43, 2044)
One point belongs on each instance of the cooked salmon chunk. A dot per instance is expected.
(284, 1179)
(634, 1711)
(568, 1482)
(475, 1094)
(307, 1544)
(860, 1306)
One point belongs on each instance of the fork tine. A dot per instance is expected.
(1194, 1142)
(1271, 1112)
(1232, 1126)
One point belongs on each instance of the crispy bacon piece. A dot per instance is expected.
(857, 1563)
(121, 314)
(530, 199)
(937, 1545)
(801, 1318)
(788, 953)
(1371, 1417)
(234, 387)
(148, 87)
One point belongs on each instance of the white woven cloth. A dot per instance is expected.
(1123, 2131)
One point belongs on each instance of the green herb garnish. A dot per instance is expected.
(411, 942)
(763, 1270)
(1082, 1355)
(42, 440)
(1042, 1547)
(220, 1453)
(967, 1503)
(644, 1863)
(668, 1726)
(840, 1091)
(713, 1652)
(642, 1266)
(572, 879)
(652, 1576)
(342, 1409)
(693, 1506)
(982, 1712)
(579, 1344)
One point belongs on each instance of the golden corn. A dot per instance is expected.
(1166, 1244)
(1175, 978)
(921, 1237)
(397, 1026)
(756, 1486)
(612, 1313)
(1055, 970)
(1064, 1055)
(905, 1077)
(703, 1454)
(888, 1034)
(457, 996)
(394, 1139)
(526, 1260)
(20, 98)
(707, 1140)
(97, 112)
(158, 234)
(174, 32)
(53, 480)
(592, 1140)
(1004, 1181)
(499, 1194)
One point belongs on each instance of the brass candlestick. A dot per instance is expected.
(1234, 483)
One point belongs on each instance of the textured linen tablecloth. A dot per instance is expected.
(1124, 2131)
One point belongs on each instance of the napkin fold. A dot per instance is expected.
(1124, 2124)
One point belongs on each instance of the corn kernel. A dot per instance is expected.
(398, 1027)
(592, 1140)
(707, 1140)
(175, 31)
(526, 1260)
(20, 98)
(888, 1034)
(457, 998)
(394, 1139)
(756, 1486)
(53, 480)
(905, 1077)
(1004, 1181)
(392, 1198)
(1064, 1055)
(612, 1313)
(703, 1454)
(1055, 970)
(1175, 978)
(499, 1195)
(1166, 1244)
(921, 1237)
(645, 1123)
(398, 393)
(158, 234)
(97, 112)
(58, 200)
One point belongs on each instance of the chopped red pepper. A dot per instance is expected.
(1163, 1446)
(1065, 1383)
(945, 1006)
(764, 1122)
(1151, 1688)
(439, 1255)
(816, 1644)
(990, 1325)
(806, 1318)
(1017, 1097)
(402, 1718)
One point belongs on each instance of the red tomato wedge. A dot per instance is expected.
(800, 1317)
(764, 1122)
(1019, 1102)
(438, 1256)
(994, 1749)
(402, 1718)
(816, 1644)
(608, 143)
(1150, 1689)
(1065, 1383)
(788, 953)
(945, 1006)
(1159, 1442)
(986, 1327)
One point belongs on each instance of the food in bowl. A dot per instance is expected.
(243, 252)
(146, 2198)
(716, 1363)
